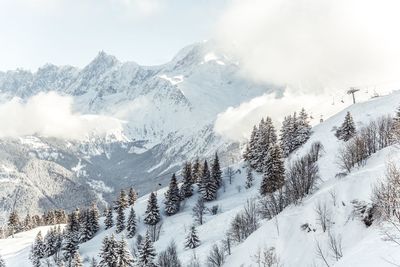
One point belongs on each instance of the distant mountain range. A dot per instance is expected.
(169, 111)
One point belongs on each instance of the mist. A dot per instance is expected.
(314, 45)
(316, 49)
(51, 115)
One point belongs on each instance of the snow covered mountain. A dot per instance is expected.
(294, 232)
(168, 113)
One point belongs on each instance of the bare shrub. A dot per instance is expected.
(194, 261)
(333, 195)
(386, 195)
(230, 173)
(371, 138)
(244, 223)
(272, 204)
(323, 215)
(316, 151)
(169, 257)
(364, 211)
(216, 257)
(321, 254)
(301, 178)
(335, 246)
(199, 210)
(266, 257)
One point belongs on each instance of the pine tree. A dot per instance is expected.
(120, 220)
(28, 223)
(304, 128)
(86, 231)
(37, 250)
(70, 246)
(13, 222)
(125, 258)
(196, 171)
(109, 252)
(71, 243)
(254, 148)
(216, 173)
(152, 215)
(266, 139)
(208, 186)
(94, 219)
(2, 263)
(108, 221)
(147, 252)
(192, 239)
(274, 172)
(347, 130)
(132, 196)
(172, 198)
(287, 135)
(186, 189)
(249, 178)
(76, 260)
(122, 200)
(131, 223)
(51, 241)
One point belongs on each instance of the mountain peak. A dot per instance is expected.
(104, 59)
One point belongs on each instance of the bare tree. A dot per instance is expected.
(335, 245)
(321, 254)
(272, 204)
(244, 223)
(169, 257)
(266, 257)
(386, 195)
(155, 231)
(198, 210)
(301, 178)
(194, 261)
(376, 135)
(323, 215)
(230, 174)
(216, 257)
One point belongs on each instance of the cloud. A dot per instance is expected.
(236, 123)
(51, 115)
(314, 45)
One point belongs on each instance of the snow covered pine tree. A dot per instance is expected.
(152, 214)
(274, 172)
(192, 239)
(347, 130)
(172, 197)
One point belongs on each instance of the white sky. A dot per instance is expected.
(35, 32)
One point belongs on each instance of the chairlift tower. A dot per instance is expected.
(352, 91)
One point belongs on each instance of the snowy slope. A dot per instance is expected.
(362, 246)
(297, 247)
